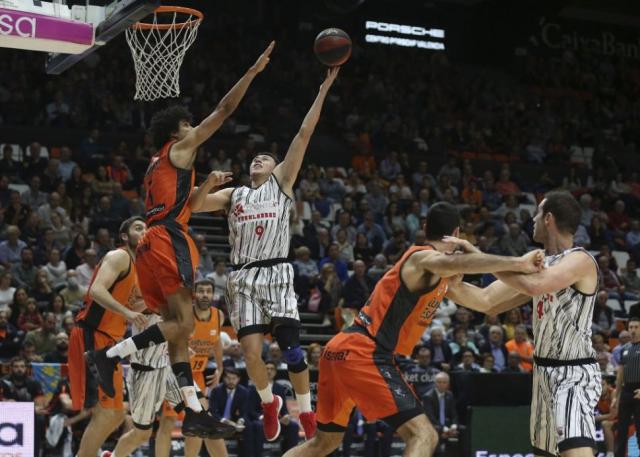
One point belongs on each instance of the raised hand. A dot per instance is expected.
(219, 178)
(263, 60)
(332, 74)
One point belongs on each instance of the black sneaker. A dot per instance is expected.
(203, 425)
(102, 367)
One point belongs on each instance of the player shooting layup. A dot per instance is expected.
(566, 377)
(357, 368)
(260, 290)
(167, 256)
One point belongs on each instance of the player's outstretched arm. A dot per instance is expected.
(183, 152)
(114, 264)
(576, 268)
(216, 179)
(496, 298)
(446, 265)
(216, 201)
(287, 172)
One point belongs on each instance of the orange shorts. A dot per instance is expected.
(85, 392)
(354, 372)
(166, 260)
(167, 409)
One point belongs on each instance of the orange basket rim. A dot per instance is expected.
(198, 17)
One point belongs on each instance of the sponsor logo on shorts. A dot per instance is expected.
(335, 356)
(364, 317)
(155, 210)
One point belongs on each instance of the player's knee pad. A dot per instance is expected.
(295, 359)
(288, 338)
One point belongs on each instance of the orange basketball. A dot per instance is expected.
(332, 47)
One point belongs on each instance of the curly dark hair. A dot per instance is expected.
(166, 122)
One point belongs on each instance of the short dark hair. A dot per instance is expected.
(231, 370)
(18, 358)
(126, 225)
(167, 121)
(273, 155)
(565, 209)
(271, 362)
(204, 282)
(634, 319)
(442, 219)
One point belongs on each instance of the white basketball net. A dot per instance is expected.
(158, 53)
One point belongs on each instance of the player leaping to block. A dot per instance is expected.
(260, 292)
(357, 368)
(167, 256)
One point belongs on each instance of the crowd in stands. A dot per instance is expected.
(459, 134)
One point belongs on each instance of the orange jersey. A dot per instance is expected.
(124, 290)
(604, 403)
(168, 189)
(204, 338)
(395, 317)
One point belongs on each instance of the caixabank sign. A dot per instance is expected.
(16, 429)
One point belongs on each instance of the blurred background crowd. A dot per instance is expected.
(397, 134)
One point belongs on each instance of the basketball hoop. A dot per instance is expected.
(158, 49)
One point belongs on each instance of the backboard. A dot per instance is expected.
(67, 33)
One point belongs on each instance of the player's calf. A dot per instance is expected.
(103, 422)
(131, 440)
(420, 437)
(288, 337)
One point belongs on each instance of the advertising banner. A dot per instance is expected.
(16, 429)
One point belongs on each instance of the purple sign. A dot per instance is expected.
(24, 24)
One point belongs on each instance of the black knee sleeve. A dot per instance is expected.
(288, 338)
(182, 370)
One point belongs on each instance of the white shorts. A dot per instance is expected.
(147, 390)
(256, 296)
(562, 407)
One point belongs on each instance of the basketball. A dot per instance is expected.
(332, 47)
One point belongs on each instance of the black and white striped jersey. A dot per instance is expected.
(562, 320)
(156, 355)
(259, 223)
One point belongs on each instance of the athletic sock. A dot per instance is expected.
(191, 398)
(265, 394)
(142, 340)
(182, 370)
(123, 349)
(304, 402)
